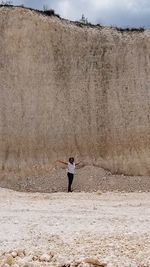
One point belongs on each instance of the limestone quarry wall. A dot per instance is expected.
(76, 91)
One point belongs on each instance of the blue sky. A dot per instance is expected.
(124, 13)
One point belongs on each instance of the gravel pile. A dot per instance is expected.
(87, 179)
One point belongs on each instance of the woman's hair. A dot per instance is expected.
(71, 160)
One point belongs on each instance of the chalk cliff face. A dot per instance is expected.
(76, 91)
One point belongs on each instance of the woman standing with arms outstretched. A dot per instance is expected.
(70, 171)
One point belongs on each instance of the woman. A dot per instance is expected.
(70, 171)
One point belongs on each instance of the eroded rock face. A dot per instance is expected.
(67, 90)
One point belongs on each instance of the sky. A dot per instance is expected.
(121, 13)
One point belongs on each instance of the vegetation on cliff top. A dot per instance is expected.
(81, 23)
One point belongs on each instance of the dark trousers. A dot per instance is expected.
(70, 180)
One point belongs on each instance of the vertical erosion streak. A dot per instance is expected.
(102, 116)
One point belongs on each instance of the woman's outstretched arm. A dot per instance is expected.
(78, 162)
(62, 162)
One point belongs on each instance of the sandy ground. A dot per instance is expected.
(69, 228)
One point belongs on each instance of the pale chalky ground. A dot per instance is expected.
(61, 229)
